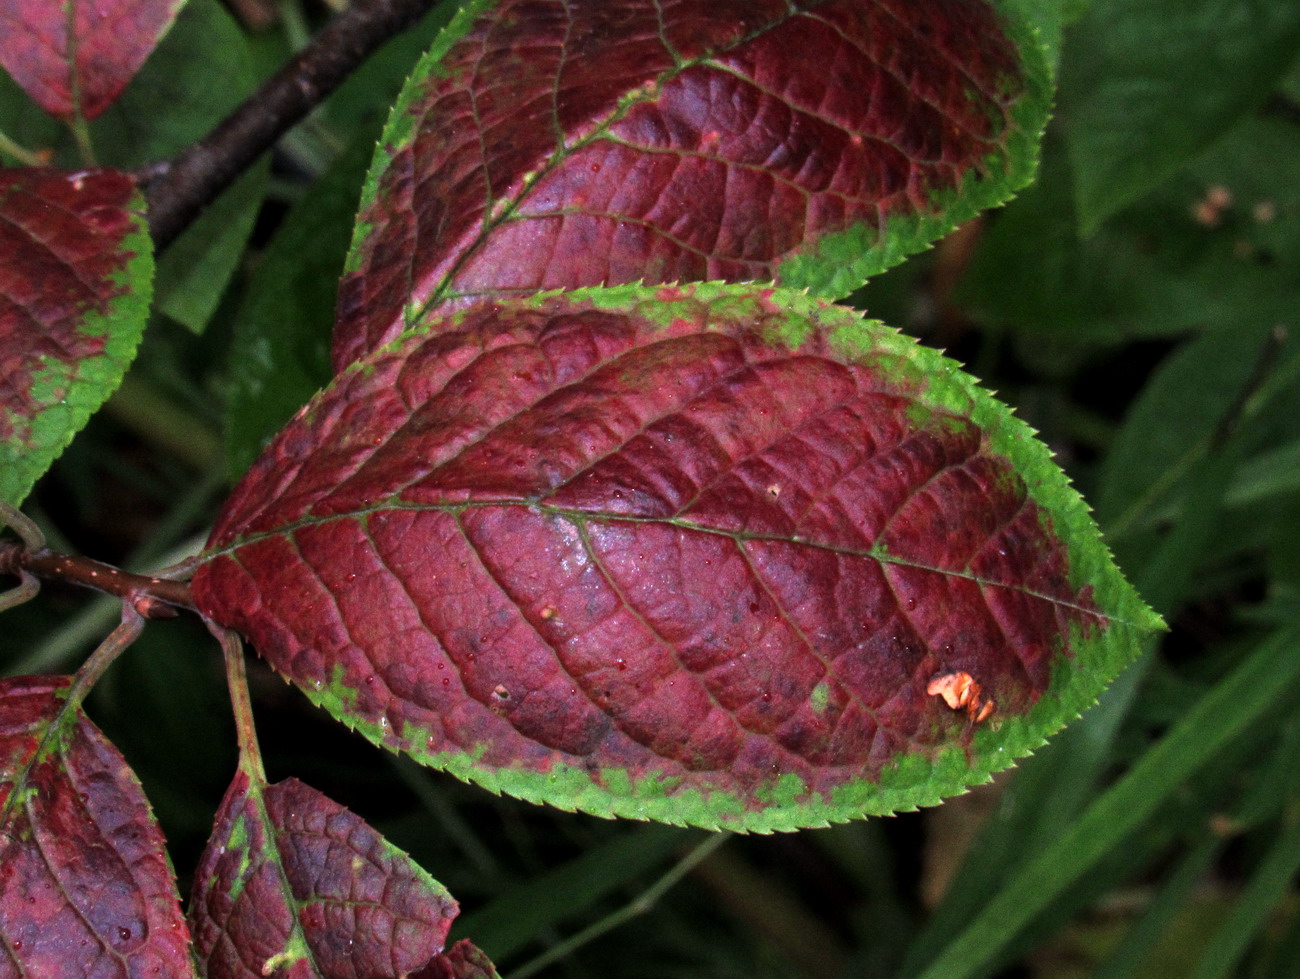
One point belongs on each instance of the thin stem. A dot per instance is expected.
(64, 642)
(11, 553)
(644, 901)
(152, 597)
(118, 641)
(250, 754)
(1264, 365)
(1260, 386)
(26, 589)
(26, 157)
(177, 190)
(81, 135)
(22, 525)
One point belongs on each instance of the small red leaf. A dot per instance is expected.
(85, 885)
(586, 142)
(696, 555)
(293, 884)
(464, 960)
(74, 57)
(75, 282)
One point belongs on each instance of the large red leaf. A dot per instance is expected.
(293, 884)
(76, 269)
(568, 143)
(74, 57)
(691, 554)
(85, 886)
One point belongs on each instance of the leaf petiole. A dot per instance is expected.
(118, 641)
(250, 754)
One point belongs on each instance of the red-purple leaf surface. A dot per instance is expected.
(694, 554)
(74, 57)
(464, 960)
(294, 885)
(76, 269)
(568, 143)
(85, 886)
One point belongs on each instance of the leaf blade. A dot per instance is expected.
(497, 562)
(543, 146)
(76, 270)
(84, 879)
(291, 880)
(74, 58)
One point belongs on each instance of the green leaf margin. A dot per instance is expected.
(65, 395)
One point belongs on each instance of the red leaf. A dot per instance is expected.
(293, 883)
(568, 144)
(681, 549)
(85, 886)
(464, 960)
(75, 269)
(74, 57)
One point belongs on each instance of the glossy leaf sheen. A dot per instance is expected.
(85, 886)
(74, 57)
(75, 280)
(295, 885)
(547, 144)
(686, 554)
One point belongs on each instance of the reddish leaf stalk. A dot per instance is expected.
(118, 641)
(178, 190)
(151, 597)
(25, 591)
(250, 755)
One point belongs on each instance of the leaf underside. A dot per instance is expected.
(294, 884)
(76, 270)
(85, 885)
(691, 554)
(550, 144)
(74, 57)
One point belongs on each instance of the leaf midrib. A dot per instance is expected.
(580, 518)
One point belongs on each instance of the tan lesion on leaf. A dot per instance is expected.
(960, 691)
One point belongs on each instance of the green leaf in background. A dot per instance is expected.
(282, 336)
(280, 354)
(76, 273)
(1145, 87)
(509, 923)
(199, 73)
(1170, 425)
(1215, 247)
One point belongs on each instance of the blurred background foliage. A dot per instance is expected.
(1138, 306)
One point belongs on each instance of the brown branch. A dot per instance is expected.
(153, 598)
(178, 190)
